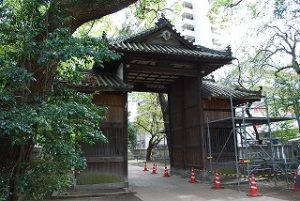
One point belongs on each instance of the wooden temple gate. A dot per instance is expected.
(156, 60)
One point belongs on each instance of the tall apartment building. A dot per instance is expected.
(195, 25)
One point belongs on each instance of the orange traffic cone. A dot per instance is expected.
(218, 184)
(193, 177)
(253, 188)
(295, 186)
(166, 173)
(145, 167)
(154, 169)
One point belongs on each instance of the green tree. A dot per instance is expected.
(149, 120)
(268, 55)
(132, 135)
(135, 18)
(286, 95)
(37, 50)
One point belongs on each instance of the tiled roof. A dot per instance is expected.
(161, 23)
(210, 89)
(165, 49)
(135, 43)
(93, 81)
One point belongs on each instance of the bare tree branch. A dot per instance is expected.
(145, 128)
(235, 4)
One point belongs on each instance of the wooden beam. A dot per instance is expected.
(143, 88)
(130, 55)
(202, 129)
(183, 128)
(125, 138)
(105, 159)
(170, 142)
(163, 69)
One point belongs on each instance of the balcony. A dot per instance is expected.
(187, 16)
(216, 42)
(187, 24)
(187, 4)
(188, 1)
(190, 38)
(188, 34)
(187, 11)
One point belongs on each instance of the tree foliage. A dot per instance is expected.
(36, 111)
(149, 120)
(132, 135)
(268, 52)
(133, 19)
(37, 50)
(286, 95)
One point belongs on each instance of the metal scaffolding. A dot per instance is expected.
(251, 154)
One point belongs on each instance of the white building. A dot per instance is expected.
(195, 25)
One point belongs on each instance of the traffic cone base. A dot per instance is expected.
(253, 195)
(253, 188)
(145, 168)
(154, 169)
(218, 184)
(219, 187)
(193, 177)
(166, 173)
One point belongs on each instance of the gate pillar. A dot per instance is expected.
(187, 136)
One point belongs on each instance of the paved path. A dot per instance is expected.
(157, 188)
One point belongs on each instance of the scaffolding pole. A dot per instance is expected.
(256, 159)
(209, 146)
(270, 136)
(235, 143)
(245, 137)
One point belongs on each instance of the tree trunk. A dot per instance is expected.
(148, 153)
(77, 12)
(297, 114)
(149, 149)
(82, 11)
(253, 126)
(152, 143)
(24, 154)
(165, 111)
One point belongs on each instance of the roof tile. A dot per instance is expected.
(210, 89)
(165, 49)
(93, 81)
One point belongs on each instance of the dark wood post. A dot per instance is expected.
(125, 138)
(202, 130)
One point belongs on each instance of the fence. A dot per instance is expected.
(159, 154)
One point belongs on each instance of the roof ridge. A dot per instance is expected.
(231, 90)
(161, 22)
(259, 92)
(166, 49)
(226, 52)
(164, 22)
